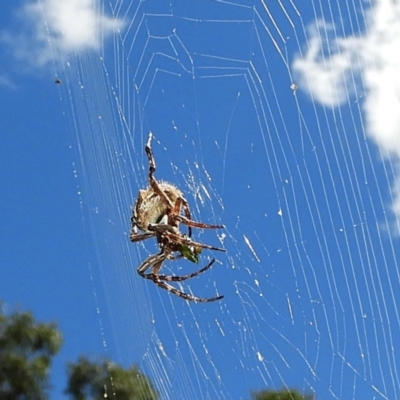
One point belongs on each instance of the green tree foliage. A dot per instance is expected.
(97, 381)
(26, 350)
(280, 395)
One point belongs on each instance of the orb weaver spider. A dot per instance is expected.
(157, 213)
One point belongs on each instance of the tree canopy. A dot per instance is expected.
(284, 394)
(26, 350)
(97, 381)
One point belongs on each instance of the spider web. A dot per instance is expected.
(277, 119)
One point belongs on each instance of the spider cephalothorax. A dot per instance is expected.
(157, 213)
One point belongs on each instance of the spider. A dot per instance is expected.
(157, 213)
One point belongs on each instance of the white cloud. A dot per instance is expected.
(52, 29)
(5, 81)
(381, 72)
(329, 67)
(372, 61)
(324, 69)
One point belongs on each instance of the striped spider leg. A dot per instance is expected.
(175, 243)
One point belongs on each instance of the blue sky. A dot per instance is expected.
(306, 183)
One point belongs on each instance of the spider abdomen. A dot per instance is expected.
(150, 208)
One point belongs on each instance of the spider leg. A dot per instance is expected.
(152, 168)
(134, 237)
(180, 239)
(166, 230)
(195, 224)
(154, 261)
(182, 203)
(162, 228)
(168, 278)
(184, 295)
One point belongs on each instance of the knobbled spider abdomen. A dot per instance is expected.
(150, 208)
